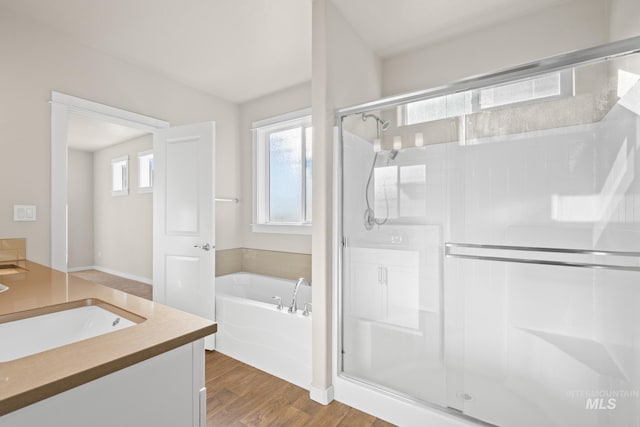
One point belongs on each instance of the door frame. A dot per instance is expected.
(61, 106)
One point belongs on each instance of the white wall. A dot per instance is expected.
(36, 61)
(285, 101)
(570, 26)
(123, 232)
(624, 22)
(624, 19)
(345, 72)
(80, 208)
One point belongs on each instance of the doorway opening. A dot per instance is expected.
(73, 117)
(110, 203)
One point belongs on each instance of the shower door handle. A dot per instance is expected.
(204, 246)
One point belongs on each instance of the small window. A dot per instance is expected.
(545, 87)
(145, 171)
(283, 166)
(438, 108)
(120, 176)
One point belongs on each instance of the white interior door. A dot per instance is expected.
(184, 219)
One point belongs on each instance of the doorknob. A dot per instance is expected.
(205, 246)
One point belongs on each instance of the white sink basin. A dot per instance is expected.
(34, 332)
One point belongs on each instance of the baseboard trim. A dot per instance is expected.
(320, 395)
(145, 280)
(75, 269)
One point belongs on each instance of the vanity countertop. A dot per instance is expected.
(36, 377)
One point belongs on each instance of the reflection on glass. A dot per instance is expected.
(386, 191)
(626, 81)
(413, 191)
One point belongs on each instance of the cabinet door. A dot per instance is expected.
(384, 286)
(402, 289)
(366, 290)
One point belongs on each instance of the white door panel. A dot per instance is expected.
(184, 219)
(182, 279)
(182, 207)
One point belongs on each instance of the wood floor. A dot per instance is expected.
(129, 286)
(239, 395)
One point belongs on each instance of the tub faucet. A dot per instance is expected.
(294, 303)
(279, 307)
(306, 311)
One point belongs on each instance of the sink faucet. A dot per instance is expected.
(294, 303)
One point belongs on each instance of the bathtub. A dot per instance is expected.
(251, 328)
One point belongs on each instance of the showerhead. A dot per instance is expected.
(383, 125)
(392, 154)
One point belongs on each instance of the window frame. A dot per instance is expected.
(140, 156)
(566, 78)
(261, 130)
(567, 89)
(125, 175)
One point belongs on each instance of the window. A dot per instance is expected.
(438, 108)
(283, 166)
(120, 176)
(145, 171)
(549, 86)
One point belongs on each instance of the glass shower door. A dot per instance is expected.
(491, 249)
(544, 264)
(548, 345)
(392, 333)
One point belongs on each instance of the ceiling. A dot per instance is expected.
(234, 49)
(242, 49)
(89, 134)
(392, 26)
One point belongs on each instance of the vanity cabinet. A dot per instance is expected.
(147, 374)
(164, 391)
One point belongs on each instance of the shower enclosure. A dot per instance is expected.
(490, 254)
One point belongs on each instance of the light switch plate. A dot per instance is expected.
(24, 212)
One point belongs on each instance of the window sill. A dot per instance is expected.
(282, 228)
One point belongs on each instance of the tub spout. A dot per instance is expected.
(293, 308)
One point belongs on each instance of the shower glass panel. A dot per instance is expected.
(491, 249)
